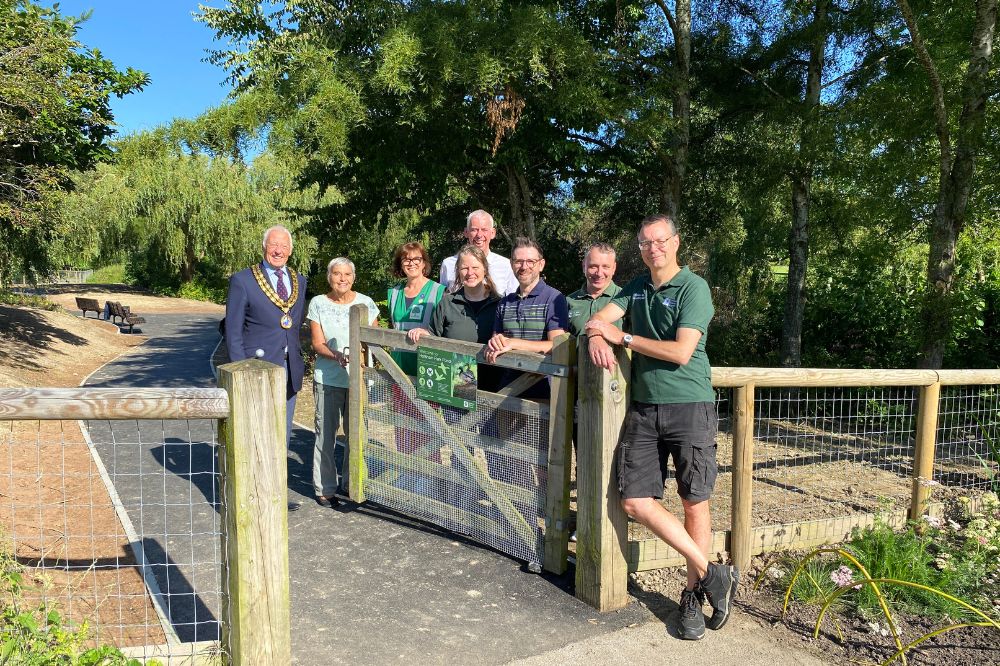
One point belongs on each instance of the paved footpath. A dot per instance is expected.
(367, 585)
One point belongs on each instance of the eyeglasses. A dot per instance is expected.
(278, 246)
(660, 243)
(527, 263)
(413, 260)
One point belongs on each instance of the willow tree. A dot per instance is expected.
(186, 216)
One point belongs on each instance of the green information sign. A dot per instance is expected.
(447, 377)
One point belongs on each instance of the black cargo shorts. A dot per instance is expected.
(655, 433)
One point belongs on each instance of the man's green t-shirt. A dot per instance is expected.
(685, 301)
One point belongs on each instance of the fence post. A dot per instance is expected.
(356, 471)
(560, 443)
(923, 453)
(254, 515)
(740, 536)
(601, 525)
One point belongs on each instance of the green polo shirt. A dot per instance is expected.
(583, 306)
(683, 302)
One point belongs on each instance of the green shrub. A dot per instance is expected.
(38, 636)
(958, 554)
(113, 274)
(26, 300)
(198, 290)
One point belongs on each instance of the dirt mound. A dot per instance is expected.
(54, 348)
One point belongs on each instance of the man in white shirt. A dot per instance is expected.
(480, 230)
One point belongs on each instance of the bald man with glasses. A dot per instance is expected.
(672, 414)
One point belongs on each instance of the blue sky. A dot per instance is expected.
(162, 39)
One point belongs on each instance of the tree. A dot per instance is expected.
(188, 219)
(956, 167)
(54, 118)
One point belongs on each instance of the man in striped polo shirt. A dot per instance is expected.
(530, 318)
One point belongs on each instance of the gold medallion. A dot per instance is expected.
(282, 304)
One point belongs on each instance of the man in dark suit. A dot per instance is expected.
(265, 308)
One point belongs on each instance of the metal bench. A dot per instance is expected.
(124, 315)
(89, 305)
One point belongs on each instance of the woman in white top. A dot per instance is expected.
(329, 318)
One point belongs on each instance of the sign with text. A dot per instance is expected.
(447, 377)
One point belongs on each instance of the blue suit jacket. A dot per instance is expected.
(253, 323)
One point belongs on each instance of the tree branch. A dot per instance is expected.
(670, 17)
(937, 89)
(766, 85)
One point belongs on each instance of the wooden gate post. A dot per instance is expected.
(923, 453)
(601, 524)
(740, 536)
(357, 396)
(254, 514)
(560, 438)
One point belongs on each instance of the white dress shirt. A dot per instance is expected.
(501, 273)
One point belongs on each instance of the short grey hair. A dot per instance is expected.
(479, 213)
(603, 248)
(656, 218)
(339, 261)
(271, 230)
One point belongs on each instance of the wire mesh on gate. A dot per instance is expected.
(831, 451)
(967, 454)
(479, 473)
(117, 526)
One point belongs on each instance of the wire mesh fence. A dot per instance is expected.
(827, 459)
(968, 435)
(831, 451)
(116, 524)
(480, 473)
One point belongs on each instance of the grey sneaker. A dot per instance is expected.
(692, 619)
(719, 586)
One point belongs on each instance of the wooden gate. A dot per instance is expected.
(498, 474)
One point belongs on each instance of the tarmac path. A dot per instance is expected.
(367, 585)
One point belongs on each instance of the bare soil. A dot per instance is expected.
(56, 513)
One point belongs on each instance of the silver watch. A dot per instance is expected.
(626, 340)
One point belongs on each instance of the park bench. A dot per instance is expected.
(89, 305)
(124, 315)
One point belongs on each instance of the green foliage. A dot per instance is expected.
(182, 222)
(38, 635)
(112, 274)
(8, 297)
(958, 554)
(54, 118)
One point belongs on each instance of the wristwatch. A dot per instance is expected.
(626, 340)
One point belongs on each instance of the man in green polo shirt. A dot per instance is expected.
(598, 287)
(672, 413)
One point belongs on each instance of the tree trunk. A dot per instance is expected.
(676, 165)
(801, 184)
(956, 174)
(522, 214)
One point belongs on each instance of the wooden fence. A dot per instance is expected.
(604, 553)
(250, 408)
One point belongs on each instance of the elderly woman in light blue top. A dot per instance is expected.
(329, 318)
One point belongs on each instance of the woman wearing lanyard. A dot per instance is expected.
(411, 304)
(412, 301)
